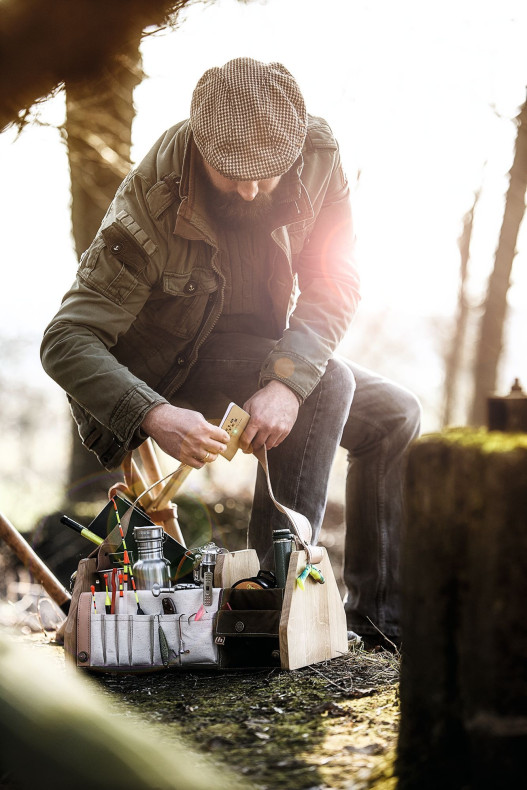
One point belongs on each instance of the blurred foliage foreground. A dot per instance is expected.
(331, 725)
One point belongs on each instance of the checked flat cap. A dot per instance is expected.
(249, 119)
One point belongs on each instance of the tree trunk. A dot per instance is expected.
(492, 323)
(463, 679)
(98, 130)
(454, 358)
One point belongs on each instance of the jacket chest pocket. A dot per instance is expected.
(179, 306)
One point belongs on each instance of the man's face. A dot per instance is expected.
(238, 203)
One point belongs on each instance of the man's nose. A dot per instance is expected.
(247, 189)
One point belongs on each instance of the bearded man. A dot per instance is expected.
(223, 271)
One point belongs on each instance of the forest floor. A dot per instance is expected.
(328, 726)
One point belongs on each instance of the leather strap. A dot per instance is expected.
(299, 523)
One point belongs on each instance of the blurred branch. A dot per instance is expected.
(45, 43)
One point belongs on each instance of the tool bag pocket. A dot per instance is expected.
(137, 643)
(247, 628)
(114, 642)
(184, 641)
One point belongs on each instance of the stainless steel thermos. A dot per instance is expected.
(151, 566)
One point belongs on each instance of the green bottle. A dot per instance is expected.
(283, 544)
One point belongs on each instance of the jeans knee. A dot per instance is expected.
(411, 413)
(341, 380)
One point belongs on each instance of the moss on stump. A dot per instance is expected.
(464, 570)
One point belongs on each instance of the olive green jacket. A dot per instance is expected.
(149, 290)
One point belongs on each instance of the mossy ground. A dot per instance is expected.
(478, 438)
(331, 725)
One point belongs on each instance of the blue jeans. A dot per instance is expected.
(375, 430)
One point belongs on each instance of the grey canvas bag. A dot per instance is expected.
(129, 642)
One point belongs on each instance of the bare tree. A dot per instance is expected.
(98, 132)
(455, 354)
(489, 345)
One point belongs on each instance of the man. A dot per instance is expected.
(223, 272)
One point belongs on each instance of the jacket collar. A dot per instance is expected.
(296, 205)
(193, 222)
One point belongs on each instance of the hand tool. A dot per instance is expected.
(33, 563)
(234, 422)
(86, 533)
(168, 605)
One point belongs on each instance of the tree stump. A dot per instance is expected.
(464, 572)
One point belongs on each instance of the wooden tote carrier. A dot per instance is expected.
(290, 627)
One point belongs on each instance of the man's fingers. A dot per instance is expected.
(264, 436)
(215, 448)
(218, 434)
(247, 437)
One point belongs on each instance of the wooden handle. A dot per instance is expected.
(151, 467)
(126, 466)
(32, 561)
(172, 528)
(172, 486)
(139, 485)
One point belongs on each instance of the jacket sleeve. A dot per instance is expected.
(114, 280)
(329, 294)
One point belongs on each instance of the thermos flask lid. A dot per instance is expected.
(148, 532)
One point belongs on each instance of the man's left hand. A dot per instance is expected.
(273, 411)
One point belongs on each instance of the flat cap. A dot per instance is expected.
(248, 119)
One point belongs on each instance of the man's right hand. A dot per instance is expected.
(185, 434)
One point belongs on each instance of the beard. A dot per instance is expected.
(233, 211)
(230, 210)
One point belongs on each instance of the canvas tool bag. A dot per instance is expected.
(239, 629)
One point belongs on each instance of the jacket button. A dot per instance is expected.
(239, 626)
(83, 656)
(117, 247)
(181, 360)
(190, 287)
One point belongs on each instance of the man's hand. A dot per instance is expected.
(273, 411)
(185, 434)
